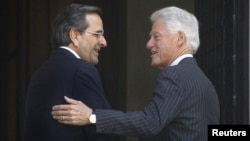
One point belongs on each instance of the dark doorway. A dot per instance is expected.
(223, 54)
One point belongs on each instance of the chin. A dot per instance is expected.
(154, 64)
(94, 62)
(157, 65)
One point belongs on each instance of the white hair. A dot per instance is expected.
(177, 19)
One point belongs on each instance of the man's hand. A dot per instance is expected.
(74, 113)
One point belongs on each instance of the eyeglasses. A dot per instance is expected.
(96, 34)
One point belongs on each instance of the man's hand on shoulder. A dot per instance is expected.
(74, 113)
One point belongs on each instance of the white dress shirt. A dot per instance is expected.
(177, 60)
(72, 51)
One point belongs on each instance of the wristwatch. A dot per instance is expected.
(92, 118)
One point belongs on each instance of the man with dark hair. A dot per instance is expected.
(77, 38)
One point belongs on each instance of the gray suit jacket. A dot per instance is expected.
(184, 103)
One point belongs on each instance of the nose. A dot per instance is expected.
(149, 44)
(103, 41)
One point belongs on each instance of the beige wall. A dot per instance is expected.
(141, 76)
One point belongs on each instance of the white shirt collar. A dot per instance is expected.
(72, 51)
(177, 61)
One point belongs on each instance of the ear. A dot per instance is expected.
(181, 38)
(73, 35)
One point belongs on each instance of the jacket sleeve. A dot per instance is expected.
(163, 108)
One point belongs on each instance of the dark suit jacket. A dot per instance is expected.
(62, 75)
(184, 102)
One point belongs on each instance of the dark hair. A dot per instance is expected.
(72, 16)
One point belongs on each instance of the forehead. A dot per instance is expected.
(158, 26)
(94, 20)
